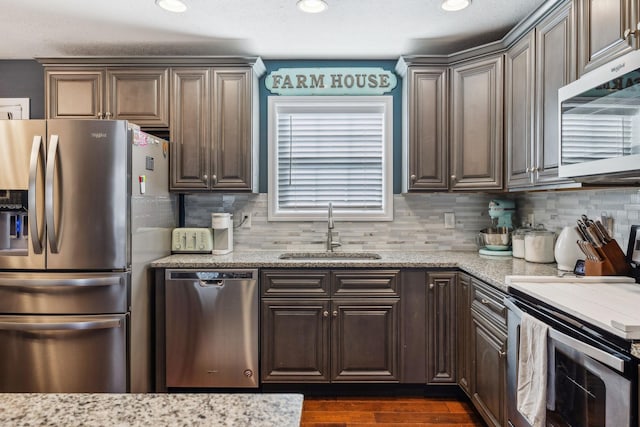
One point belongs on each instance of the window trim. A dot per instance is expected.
(383, 103)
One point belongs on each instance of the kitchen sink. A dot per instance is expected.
(329, 255)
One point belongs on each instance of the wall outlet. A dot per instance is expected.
(449, 220)
(245, 220)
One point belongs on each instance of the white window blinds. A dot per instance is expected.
(330, 149)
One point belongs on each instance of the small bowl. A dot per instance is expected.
(496, 239)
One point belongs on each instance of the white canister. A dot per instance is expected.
(539, 246)
(517, 242)
(567, 251)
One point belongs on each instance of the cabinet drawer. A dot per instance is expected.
(382, 283)
(284, 283)
(489, 302)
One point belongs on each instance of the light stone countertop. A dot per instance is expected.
(489, 269)
(120, 410)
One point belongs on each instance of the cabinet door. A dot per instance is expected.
(190, 128)
(488, 385)
(441, 315)
(519, 110)
(364, 340)
(602, 25)
(463, 332)
(295, 341)
(555, 67)
(428, 136)
(74, 94)
(232, 139)
(476, 125)
(139, 95)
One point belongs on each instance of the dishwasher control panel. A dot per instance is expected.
(192, 240)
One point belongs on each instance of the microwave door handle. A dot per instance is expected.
(48, 193)
(61, 326)
(37, 154)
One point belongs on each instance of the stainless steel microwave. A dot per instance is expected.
(599, 124)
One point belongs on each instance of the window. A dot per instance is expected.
(325, 149)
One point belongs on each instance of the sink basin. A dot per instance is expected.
(329, 255)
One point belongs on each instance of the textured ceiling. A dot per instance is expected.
(272, 29)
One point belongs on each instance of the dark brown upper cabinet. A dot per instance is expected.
(607, 30)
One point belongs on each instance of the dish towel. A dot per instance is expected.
(532, 370)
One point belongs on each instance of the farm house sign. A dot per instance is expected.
(330, 81)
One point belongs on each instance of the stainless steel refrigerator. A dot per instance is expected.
(84, 206)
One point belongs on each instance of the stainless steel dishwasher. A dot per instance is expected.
(211, 328)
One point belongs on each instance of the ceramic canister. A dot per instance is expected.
(567, 251)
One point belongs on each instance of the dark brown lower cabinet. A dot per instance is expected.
(364, 340)
(428, 327)
(307, 339)
(488, 346)
(295, 341)
(463, 332)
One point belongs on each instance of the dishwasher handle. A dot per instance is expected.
(216, 283)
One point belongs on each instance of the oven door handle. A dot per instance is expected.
(511, 306)
(595, 353)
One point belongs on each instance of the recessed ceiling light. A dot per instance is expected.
(176, 6)
(455, 5)
(312, 6)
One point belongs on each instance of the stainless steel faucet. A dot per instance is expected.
(330, 225)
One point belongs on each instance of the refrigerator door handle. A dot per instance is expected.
(68, 283)
(48, 193)
(37, 154)
(62, 326)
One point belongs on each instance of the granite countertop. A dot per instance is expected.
(489, 269)
(119, 410)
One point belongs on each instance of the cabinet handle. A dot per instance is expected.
(535, 169)
(325, 313)
(431, 286)
(335, 313)
(628, 33)
(413, 178)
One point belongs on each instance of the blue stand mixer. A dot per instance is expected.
(496, 240)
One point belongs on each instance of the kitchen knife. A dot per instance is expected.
(603, 230)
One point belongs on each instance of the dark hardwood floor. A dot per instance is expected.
(387, 411)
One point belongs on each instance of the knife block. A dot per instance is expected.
(614, 262)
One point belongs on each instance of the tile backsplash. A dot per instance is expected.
(418, 223)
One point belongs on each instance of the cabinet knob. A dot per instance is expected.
(484, 301)
(413, 178)
(325, 313)
(335, 313)
(628, 32)
(527, 170)
(214, 179)
(431, 286)
(100, 115)
(205, 177)
(107, 114)
(535, 169)
(502, 353)
(453, 177)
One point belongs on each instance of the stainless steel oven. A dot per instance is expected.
(591, 379)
